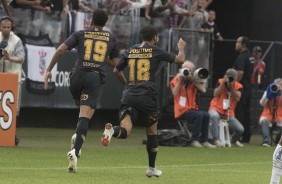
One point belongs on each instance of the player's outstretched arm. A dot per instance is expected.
(58, 54)
(181, 53)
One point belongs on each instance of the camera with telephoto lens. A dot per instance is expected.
(201, 73)
(274, 88)
(184, 72)
(45, 3)
(230, 79)
(1, 53)
(3, 45)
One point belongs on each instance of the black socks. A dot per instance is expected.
(120, 132)
(81, 132)
(152, 149)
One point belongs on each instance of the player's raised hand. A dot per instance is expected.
(47, 78)
(181, 43)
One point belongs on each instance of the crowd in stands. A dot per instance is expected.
(39, 17)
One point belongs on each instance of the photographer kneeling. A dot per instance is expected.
(272, 111)
(185, 87)
(226, 95)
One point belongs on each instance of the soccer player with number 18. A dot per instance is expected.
(140, 94)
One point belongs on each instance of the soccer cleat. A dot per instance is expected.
(153, 172)
(72, 161)
(72, 145)
(107, 135)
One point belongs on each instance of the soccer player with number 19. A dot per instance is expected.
(140, 94)
(95, 49)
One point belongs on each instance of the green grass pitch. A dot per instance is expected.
(40, 158)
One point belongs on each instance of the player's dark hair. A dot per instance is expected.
(99, 18)
(245, 41)
(148, 33)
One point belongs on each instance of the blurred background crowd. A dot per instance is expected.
(61, 17)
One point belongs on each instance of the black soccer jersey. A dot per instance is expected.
(93, 49)
(143, 61)
(244, 62)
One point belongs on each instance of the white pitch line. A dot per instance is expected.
(220, 164)
(229, 171)
(140, 167)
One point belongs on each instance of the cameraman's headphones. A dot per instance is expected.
(7, 18)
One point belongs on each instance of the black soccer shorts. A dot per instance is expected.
(85, 87)
(142, 109)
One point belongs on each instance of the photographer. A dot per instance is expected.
(185, 87)
(12, 52)
(226, 95)
(272, 111)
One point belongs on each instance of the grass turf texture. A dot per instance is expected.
(41, 158)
